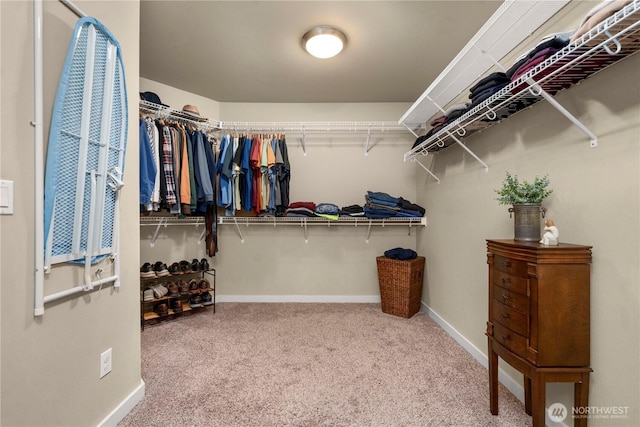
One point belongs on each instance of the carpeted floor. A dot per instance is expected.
(312, 365)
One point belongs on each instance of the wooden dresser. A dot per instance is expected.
(539, 319)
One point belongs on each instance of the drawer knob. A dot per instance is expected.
(505, 297)
(506, 264)
(506, 338)
(505, 315)
(506, 282)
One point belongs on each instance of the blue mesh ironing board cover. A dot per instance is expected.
(85, 155)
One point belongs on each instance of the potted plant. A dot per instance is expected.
(526, 198)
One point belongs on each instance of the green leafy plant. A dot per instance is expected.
(514, 192)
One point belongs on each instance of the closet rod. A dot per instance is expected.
(314, 127)
(300, 128)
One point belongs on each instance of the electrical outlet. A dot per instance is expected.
(105, 362)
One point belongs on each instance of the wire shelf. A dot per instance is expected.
(609, 42)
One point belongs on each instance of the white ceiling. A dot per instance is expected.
(249, 51)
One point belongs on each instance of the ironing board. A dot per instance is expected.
(86, 151)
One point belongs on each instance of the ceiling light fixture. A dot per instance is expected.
(324, 41)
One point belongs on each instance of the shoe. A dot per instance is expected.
(195, 301)
(203, 284)
(183, 287)
(204, 264)
(147, 295)
(176, 306)
(207, 298)
(146, 271)
(161, 269)
(172, 289)
(195, 265)
(159, 291)
(185, 267)
(174, 269)
(194, 286)
(156, 291)
(161, 309)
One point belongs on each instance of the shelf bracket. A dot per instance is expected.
(304, 136)
(368, 231)
(592, 137)
(409, 129)
(201, 238)
(303, 224)
(452, 136)
(235, 222)
(436, 104)
(427, 169)
(155, 234)
(366, 148)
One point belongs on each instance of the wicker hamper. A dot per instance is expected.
(400, 285)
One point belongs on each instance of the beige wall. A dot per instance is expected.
(336, 263)
(595, 202)
(50, 364)
(176, 98)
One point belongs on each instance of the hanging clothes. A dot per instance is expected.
(253, 174)
(147, 166)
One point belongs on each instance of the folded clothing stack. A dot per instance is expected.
(301, 209)
(400, 253)
(382, 205)
(545, 48)
(487, 87)
(352, 210)
(328, 211)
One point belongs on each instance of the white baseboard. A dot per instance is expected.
(300, 298)
(516, 389)
(124, 407)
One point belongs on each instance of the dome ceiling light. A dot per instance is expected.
(324, 41)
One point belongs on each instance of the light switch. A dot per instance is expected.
(6, 197)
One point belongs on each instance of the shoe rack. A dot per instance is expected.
(176, 294)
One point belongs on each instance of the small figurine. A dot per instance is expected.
(551, 234)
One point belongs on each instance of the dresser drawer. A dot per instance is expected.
(510, 266)
(511, 299)
(511, 318)
(510, 282)
(511, 340)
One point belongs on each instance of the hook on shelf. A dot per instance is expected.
(535, 89)
(615, 41)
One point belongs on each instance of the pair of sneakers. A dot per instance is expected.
(207, 298)
(159, 290)
(202, 265)
(173, 289)
(159, 269)
(199, 285)
(203, 298)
